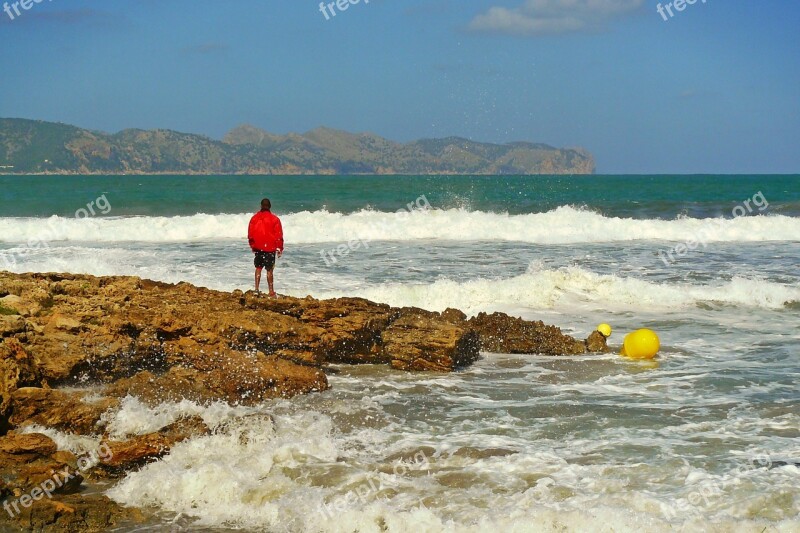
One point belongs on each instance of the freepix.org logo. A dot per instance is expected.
(13, 9)
(666, 10)
(337, 6)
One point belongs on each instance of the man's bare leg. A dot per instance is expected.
(258, 279)
(271, 282)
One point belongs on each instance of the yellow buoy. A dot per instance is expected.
(641, 344)
(605, 329)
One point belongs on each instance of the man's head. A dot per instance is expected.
(266, 205)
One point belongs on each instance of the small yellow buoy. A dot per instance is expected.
(605, 329)
(641, 344)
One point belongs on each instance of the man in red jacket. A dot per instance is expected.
(265, 235)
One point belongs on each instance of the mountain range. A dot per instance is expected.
(38, 147)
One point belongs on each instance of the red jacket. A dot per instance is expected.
(265, 232)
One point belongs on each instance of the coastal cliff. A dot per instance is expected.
(73, 347)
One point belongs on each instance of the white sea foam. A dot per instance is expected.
(298, 473)
(563, 225)
(135, 418)
(77, 444)
(572, 286)
(559, 289)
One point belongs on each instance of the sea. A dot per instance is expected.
(705, 438)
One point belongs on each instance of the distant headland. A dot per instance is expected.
(38, 147)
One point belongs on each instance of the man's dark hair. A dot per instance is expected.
(266, 205)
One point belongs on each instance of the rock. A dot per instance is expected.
(11, 304)
(38, 487)
(238, 380)
(27, 443)
(343, 330)
(72, 513)
(454, 316)
(501, 333)
(165, 341)
(26, 462)
(142, 449)
(23, 307)
(60, 322)
(56, 409)
(425, 341)
(17, 369)
(11, 324)
(597, 343)
(352, 330)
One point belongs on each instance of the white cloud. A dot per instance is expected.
(543, 17)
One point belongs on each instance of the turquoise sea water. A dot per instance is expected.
(705, 440)
(634, 196)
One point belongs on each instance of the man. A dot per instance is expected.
(265, 235)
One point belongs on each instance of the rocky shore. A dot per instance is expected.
(72, 347)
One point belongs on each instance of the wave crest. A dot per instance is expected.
(564, 225)
(573, 286)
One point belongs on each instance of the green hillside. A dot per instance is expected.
(28, 146)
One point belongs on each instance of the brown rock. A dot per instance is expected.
(11, 324)
(26, 462)
(597, 343)
(17, 368)
(425, 341)
(142, 449)
(352, 330)
(27, 443)
(454, 316)
(237, 379)
(15, 303)
(208, 345)
(64, 323)
(343, 330)
(57, 409)
(501, 333)
(74, 513)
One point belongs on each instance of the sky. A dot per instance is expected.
(715, 88)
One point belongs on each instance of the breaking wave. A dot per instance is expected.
(565, 287)
(564, 225)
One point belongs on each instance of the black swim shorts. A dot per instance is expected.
(265, 260)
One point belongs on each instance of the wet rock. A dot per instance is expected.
(454, 316)
(69, 412)
(501, 333)
(211, 345)
(25, 444)
(343, 330)
(120, 456)
(28, 462)
(424, 341)
(73, 513)
(165, 343)
(39, 485)
(597, 343)
(238, 380)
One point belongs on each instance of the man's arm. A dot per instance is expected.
(250, 238)
(279, 235)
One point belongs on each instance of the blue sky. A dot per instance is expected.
(714, 89)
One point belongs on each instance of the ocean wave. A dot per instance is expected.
(574, 286)
(564, 225)
(286, 469)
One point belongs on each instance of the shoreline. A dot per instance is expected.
(160, 342)
(305, 174)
